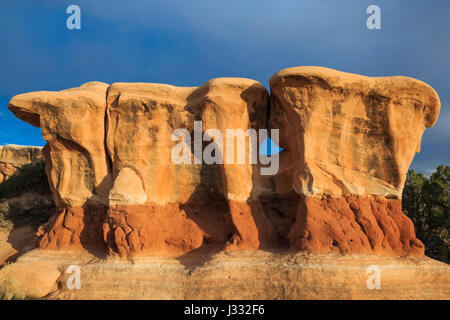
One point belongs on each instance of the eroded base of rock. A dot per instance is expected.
(346, 225)
(354, 224)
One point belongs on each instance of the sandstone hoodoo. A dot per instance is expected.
(348, 141)
(351, 140)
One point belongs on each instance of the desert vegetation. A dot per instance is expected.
(25, 198)
(426, 200)
(9, 290)
(29, 178)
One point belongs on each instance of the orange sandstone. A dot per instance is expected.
(349, 141)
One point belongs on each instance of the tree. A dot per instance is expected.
(426, 200)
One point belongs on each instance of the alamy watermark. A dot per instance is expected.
(213, 153)
(74, 280)
(374, 20)
(74, 20)
(374, 279)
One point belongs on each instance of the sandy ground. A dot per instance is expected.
(15, 241)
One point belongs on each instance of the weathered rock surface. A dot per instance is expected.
(110, 169)
(32, 279)
(12, 157)
(73, 123)
(250, 275)
(349, 134)
(354, 224)
(349, 140)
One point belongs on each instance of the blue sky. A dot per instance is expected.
(188, 42)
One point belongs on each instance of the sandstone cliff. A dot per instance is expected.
(12, 157)
(348, 142)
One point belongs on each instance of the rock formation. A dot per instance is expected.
(12, 157)
(247, 275)
(348, 142)
(31, 280)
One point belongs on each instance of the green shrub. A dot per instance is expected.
(33, 212)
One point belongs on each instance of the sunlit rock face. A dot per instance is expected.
(348, 142)
(73, 124)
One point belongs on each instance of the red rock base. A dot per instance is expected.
(174, 229)
(74, 228)
(352, 224)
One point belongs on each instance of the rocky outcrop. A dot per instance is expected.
(110, 169)
(31, 279)
(349, 134)
(12, 157)
(250, 275)
(350, 140)
(127, 171)
(73, 124)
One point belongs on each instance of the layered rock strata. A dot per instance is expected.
(348, 142)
